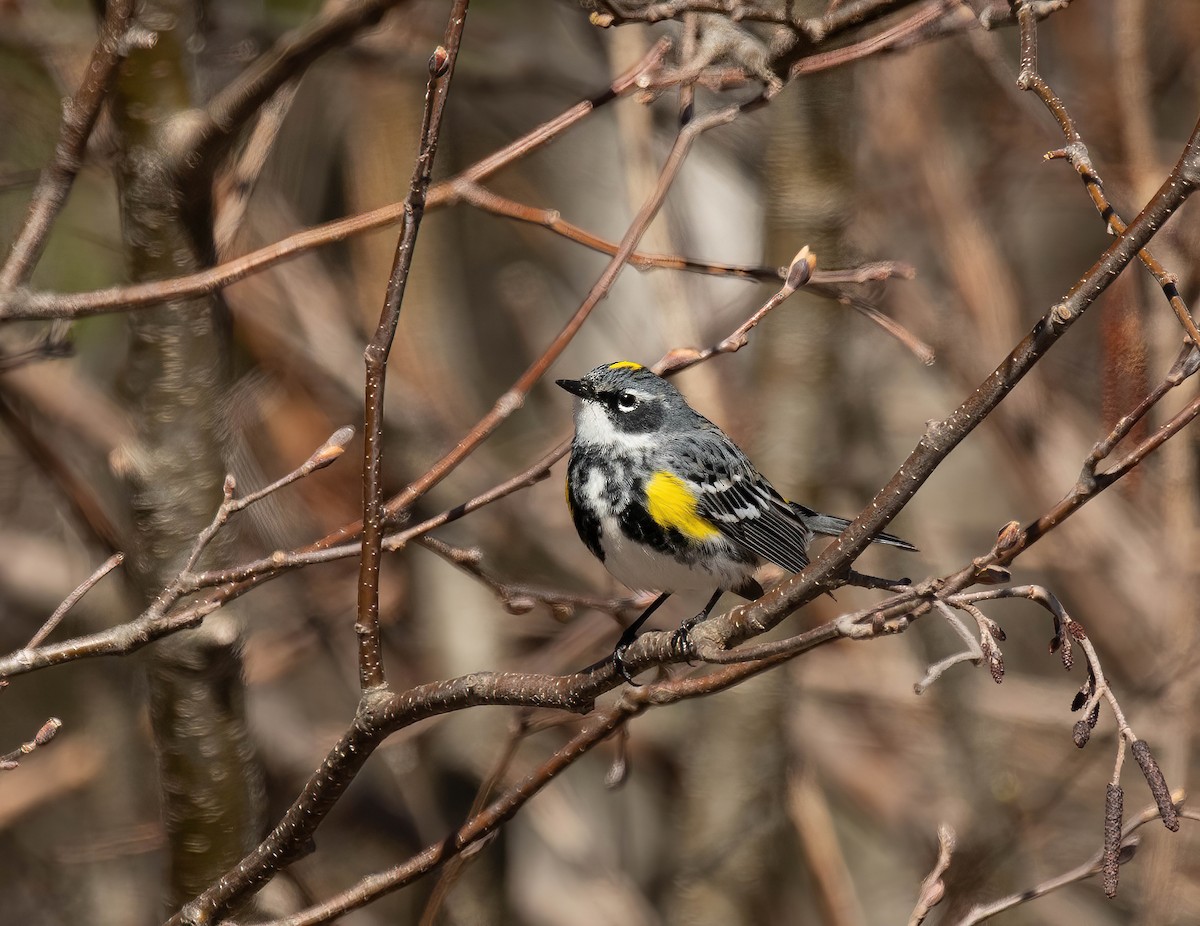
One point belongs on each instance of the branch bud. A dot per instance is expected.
(46, 733)
(332, 448)
(439, 62)
(801, 268)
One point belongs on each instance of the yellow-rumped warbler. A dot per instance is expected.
(668, 502)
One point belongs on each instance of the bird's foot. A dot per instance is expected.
(681, 639)
(618, 663)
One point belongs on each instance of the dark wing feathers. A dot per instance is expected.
(741, 504)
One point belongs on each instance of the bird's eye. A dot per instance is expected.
(627, 401)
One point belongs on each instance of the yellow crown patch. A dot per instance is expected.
(625, 365)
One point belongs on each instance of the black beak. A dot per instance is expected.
(575, 387)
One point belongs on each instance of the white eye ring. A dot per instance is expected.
(627, 401)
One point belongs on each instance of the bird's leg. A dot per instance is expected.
(618, 653)
(681, 639)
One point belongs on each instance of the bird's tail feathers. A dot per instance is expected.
(832, 525)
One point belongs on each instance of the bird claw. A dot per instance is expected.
(681, 639)
(618, 662)
(681, 643)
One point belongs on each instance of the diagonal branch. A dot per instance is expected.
(1129, 842)
(1076, 154)
(514, 398)
(143, 295)
(941, 437)
(213, 129)
(80, 113)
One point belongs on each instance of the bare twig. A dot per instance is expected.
(441, 70)
(1089, 869)
(512, 400)
(45, 733)
(853, 13)
(970, 653)
(80, 113)
(905, 31)
(217, 125)
(519, 599)
(933, 888)
(824, 282)
(943, 436)
(1076, 153)
(72, 599)
(143, 295)
(155, 622)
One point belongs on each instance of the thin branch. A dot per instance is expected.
(937, 16)
(143, 295)
(854, 13)
(155, 622)
(620, 14)
(903, 32)
(441, 71)
(1089, 869)
(73, 599)
(45, 734)
(933, 888)
(520, 599)
(514, 398)
(942, 436)
(672, 362)
(80, 113)
(1186, 364)
(1076, 154)
(971, 651)
(216, 126)
(823, 282)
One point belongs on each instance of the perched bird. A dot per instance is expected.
(668, 502)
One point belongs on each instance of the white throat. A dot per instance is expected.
(593, 426)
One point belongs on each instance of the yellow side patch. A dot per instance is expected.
(625, 365)
(673, 506)
(567, 493)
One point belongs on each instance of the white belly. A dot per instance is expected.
(645, 569)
